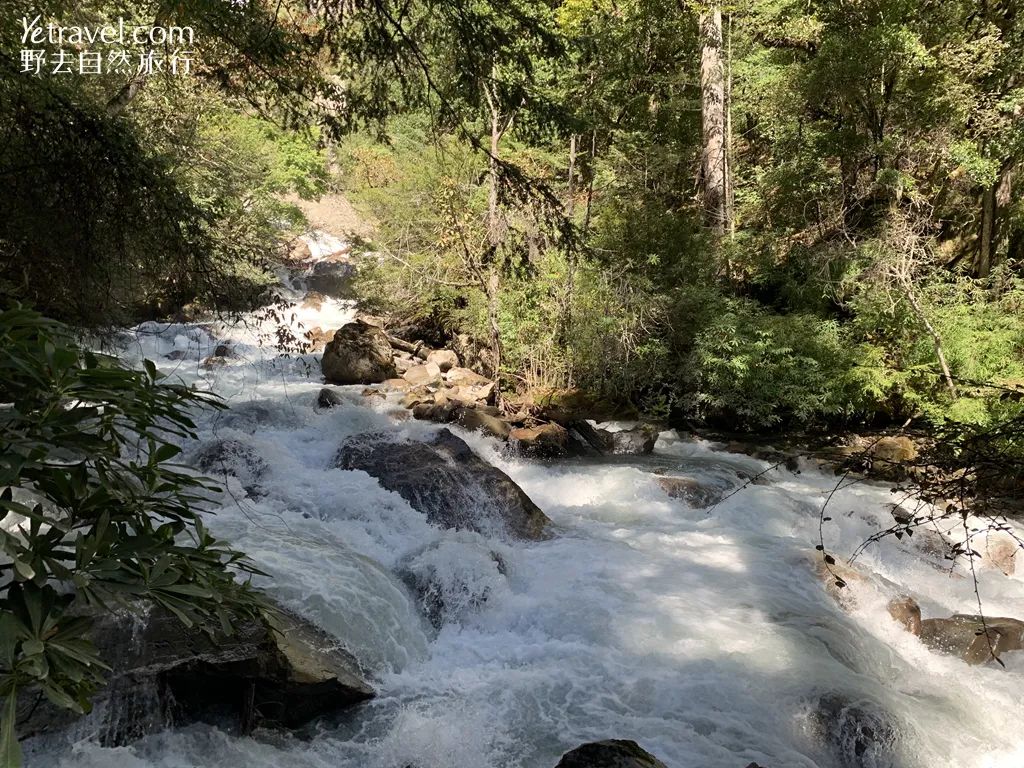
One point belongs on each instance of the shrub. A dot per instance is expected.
(94, 514)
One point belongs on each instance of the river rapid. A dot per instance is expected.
(703, 634)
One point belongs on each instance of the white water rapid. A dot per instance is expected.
(701, 634)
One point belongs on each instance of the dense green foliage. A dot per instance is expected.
(539, 188)
(95, 514)
(872, 151)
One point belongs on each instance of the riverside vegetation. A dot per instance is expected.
(748, 217)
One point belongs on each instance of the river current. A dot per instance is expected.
(703, 634)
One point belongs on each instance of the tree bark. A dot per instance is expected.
(712, 88)
(495, 226)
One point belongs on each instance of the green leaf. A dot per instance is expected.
(10, 749)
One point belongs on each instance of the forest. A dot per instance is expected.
(793, 221)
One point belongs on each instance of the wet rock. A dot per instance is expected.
(541, 441)
(972, 639)
(907, 613)
(223, 350)
(445, 359)
(279, 671)
(637, 441)
(451, 580)
(177, 354)
(235, 459)
(440, 413)
(358, 354)
(332, 279)
(423, 375)
(695, 493)
(857, 733)
(613, 753)
(446, 481)
(328, 398)
(585, 438)
(478, 420)
(417, 395)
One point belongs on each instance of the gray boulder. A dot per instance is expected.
(359, 353)
(613, 753)
(446, 481)
(637, 441)
(280, 671)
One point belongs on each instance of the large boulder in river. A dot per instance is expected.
(639, 440)
(359, 353)
(446, 481)
(612, 753)
(279, 671)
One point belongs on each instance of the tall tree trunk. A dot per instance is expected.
(712, 89)
(495, 226)
(570, 266)
(994, 202)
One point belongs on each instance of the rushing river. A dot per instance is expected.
(703, 634)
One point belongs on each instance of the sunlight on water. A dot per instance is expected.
(702, 634)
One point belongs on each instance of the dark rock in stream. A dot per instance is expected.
(613, 753)
(328, 398)
(856, 733)
(233, 458)
(695, 493)
(331, 278)
(446, 481)
(278, 672)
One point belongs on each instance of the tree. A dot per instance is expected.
(714, 169)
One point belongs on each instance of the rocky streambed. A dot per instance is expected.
(525, 588)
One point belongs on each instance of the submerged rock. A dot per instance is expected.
(233, 458)
(359, 353)
(695, 493)
(613, 753)
(450, 580)
(280, 671)
(446, 481)
(855, 732)
(328, 398)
